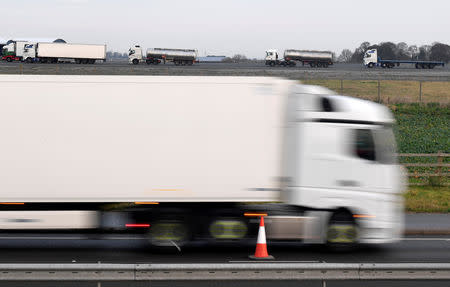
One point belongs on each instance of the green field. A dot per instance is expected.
(391, 92)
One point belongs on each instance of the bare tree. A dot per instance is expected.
(345, 56)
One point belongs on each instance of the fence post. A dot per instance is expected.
(379, 92)
(21, 68)
(342, 87)
(420, 91)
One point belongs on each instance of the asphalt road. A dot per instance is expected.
(338, 71)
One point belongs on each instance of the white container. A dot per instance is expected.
(71, 51)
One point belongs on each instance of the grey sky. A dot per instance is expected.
(232, 26)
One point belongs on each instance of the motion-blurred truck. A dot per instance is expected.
(14, 51)
(184, 159)
(157, 55)
(371, 60)
(62, 52)
(315, 59)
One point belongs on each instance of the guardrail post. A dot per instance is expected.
(21, 69)
(420, 91)
(379, 92)
(99, 284)
(324, 283)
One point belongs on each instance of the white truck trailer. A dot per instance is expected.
(157, 55)
(196, 158)
(315, 59)
(55, 52)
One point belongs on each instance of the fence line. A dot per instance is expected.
(438, 174)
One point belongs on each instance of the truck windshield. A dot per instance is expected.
(385, 145)
(130, 52)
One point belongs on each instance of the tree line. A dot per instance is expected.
(400, 51)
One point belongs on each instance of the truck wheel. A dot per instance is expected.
(92, 61)
(169, 233)
(312, 64)
(325, 65)
(430, 66)
(423, 66)
(292, 64)
(342, 233)
(190, 63)
(319, 65)
(370, 65)
(177, 63)
(135, 61)
(9, 59)
(272, 64)
(29, 60)
(383, 65)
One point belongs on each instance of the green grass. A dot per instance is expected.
(391, 92)
(428, 199)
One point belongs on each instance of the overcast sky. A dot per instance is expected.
(230, 26)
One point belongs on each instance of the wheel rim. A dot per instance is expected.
(339, 233)
(166, 233)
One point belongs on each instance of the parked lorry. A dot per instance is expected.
(55, 52)
(371, 60)
(312, 58)
(157, 55)
(197, 158)
(14, 51)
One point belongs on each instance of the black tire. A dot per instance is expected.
(370, 65)
(9, 59)
(383, 65)
(135, 61)
(342, 232)
(29, 60)
(272, 64)
(156, 62)
(312, 65)
(169, 234)
(325, 65)
(92, 61)
(177, 63)
(292, 64)
(190, 63)
(430, 66)
(319, 65)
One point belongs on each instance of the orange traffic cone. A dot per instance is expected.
(261, 245)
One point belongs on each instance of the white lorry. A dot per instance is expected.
(196, 158)
(315, 59)
(14, 51)
(55, 52)
(157, 55)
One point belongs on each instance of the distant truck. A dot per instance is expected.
(157, 55)
(319, 59)
(14, 51)
(56, 52)
(371, 60)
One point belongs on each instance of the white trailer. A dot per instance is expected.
(185, 161)
(54, 52)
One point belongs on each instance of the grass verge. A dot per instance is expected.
(428, 199)
(391, 92)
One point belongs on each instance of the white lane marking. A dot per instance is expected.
(275, 261)
(426, 239)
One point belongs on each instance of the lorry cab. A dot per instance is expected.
(271, 55)
(135, 55)
(347, 164)
(29, 52)
(370, 58)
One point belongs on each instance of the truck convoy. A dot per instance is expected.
(198, 158)
(313, 58)
(55, 52)
(371, 60)
(157, 55)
